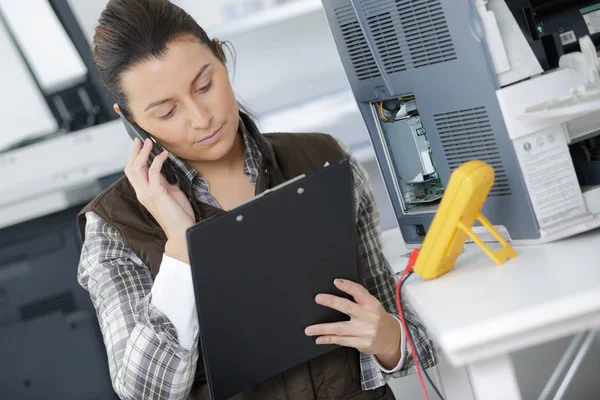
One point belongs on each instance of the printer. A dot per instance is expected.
(513, 83)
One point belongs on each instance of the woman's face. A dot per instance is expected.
(184, 99)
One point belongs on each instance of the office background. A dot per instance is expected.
(287, 72)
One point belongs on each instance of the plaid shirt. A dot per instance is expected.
(144, 355)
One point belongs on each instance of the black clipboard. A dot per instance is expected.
(257, 270)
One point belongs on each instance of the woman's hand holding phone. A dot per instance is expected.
(166, 202)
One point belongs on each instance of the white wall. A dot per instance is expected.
(87, 13)
(209, 14)
(287, 63)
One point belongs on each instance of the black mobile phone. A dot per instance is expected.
(134, 131)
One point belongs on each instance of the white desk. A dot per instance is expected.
(480, 312)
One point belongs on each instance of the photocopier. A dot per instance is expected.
(59, 146)
(514, 83)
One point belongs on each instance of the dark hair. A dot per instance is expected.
(133, 31)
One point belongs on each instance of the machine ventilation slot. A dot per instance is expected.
(384, 33)
(409, 33)
(62, 302)
(426, 31)
(361, 57)
(467, 135)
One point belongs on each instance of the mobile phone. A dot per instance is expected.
(134, 131)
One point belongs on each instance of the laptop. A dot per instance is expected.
(257, 270)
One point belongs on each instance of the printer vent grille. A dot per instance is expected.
(383, 21)
(409, 33)
(468, 135)
(426, 31)
(361, 57)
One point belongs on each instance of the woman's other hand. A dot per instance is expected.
(371, 330)
(167, 203)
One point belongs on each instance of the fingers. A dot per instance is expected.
(340, 304)
(357, 291)
(142, 159)
(348, 328)
(345, 341)
(137, 146)
(154, 176)
(333, 329)
(137, 166)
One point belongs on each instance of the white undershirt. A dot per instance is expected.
(173, 295)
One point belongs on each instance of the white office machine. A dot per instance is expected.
(548, 119)
(58, 137)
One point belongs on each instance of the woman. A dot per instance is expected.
(168, 77)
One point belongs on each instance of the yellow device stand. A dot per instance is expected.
(459, 209)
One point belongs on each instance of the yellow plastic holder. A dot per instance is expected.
(459, 209)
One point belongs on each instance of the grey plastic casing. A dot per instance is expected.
(436, 51)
